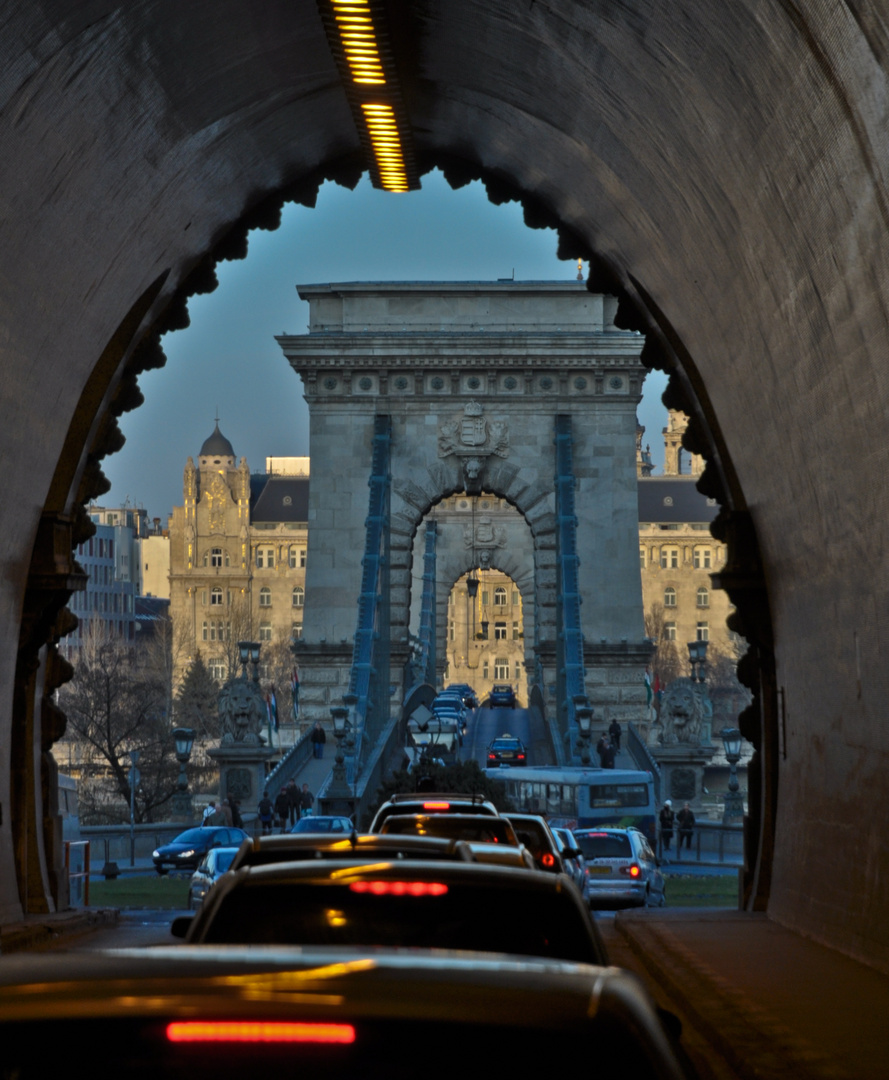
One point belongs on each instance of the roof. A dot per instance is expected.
(674, 499)
(278, 498)
(217, 445)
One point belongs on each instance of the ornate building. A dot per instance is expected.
(238, 548)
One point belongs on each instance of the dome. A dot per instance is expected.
(217, 445)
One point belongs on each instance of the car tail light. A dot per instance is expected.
(436, 806)
(244, 1031)
(520, 757)
(492, 757)
(633, 870)
(400, 888)
(548, 860)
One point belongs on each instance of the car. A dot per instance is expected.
(410, 905)
(432, 802)
(502, 696)
(533, 831)
(622, 870)
(323, 823)
(466, 693)
(217, 862)
(330, 1012)
(572, 857)
(477, 828)
(506, 749)
(188, 850)
(263, 850)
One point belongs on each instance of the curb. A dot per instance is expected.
(40, 931)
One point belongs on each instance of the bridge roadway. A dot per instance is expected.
(486, 724)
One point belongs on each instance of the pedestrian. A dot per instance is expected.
(614, 730)
(319, 738)
(266, 810)
(293, 802)
(600, 748)
(608, 755)
(306, 801)
(685, 819)
(237, 820)
(209, 809)
(282, 808)
(216, 819)
(227, 810)
(666, 819)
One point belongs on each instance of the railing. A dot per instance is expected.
(427, 610)
(570, 679)
(289, 765)
(711, 843)
(644, 759)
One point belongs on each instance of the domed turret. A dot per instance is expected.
(217, 445)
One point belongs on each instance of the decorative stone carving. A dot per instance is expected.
(471, 435)
(486, 534)
(412, 493)
(684, 711)
(682, 785)
(241, 708)
(217, 498)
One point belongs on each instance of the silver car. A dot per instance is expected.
(621, 869)
(208, 873)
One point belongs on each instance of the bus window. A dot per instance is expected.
(606, 796)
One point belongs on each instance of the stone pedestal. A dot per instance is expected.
(682, 772)
(242, 773)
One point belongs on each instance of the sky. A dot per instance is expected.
(228, 359)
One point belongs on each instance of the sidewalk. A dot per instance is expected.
(762, 1001)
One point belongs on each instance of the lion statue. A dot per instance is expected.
(241, 710)
(683, 712)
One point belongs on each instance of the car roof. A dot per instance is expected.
(289, 846)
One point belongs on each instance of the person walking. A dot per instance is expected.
(266, 810)
(667, 817)
(685, 819)
(293, 802)
(215, 819)
(319, 738)
(600, 748)
(614, 730)
(282, 808)
(237, 820)
(306, 801)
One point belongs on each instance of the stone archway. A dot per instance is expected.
(472, 377)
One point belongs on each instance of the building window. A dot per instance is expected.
(642, 557)
(485, 598)
(703, 633)
(296, 631)
(703, 558)
(501, 668)
(670, 597)
(265, 597)
(265, 631)
(265, 557)
(484, 669)
(703, 597)
(216, 597)
(670, 631)
(500, 631)
(216, 669)
(297, 558)
(452, 632)
(669, 558)
(515, 630)
(299, 596)
(518, 671)
(216, 557)
(204, 632)
(500, 597)
(516, 596)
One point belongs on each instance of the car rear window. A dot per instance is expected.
(604, 845)
(531, 923)
(489, 831)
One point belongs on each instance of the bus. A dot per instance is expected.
(581, 797)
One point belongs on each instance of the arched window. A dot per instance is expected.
(299, 596)
(500, 597)
(216, 557)
(669, 597)
(216, 597)
(703, 597)
(265, 596)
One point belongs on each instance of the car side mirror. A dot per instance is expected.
(204, 868)
(573, 852)
(179, 926)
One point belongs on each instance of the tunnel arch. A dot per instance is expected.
(735, 198)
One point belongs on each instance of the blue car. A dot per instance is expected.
(502, 696)
(190, 848)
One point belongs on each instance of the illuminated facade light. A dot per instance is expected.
(357, 32)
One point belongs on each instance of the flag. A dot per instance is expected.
(273, 709)
(294, 692)
(648, 691)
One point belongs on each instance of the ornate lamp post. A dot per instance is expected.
(583, 711)
(697, 656)
(184, 739)
(339, 787)
(733, 809)
(248, 653)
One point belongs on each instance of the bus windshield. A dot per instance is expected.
(604, 796)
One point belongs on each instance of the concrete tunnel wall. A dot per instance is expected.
(726, 163)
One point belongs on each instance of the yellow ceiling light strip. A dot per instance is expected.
(357, 32)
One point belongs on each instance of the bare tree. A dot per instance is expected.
(666, 664)
(114, 706)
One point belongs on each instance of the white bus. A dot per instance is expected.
(581, 797)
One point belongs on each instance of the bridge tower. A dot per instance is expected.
(473, 379)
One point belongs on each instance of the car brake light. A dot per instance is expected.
(632, 870)
(520, 757)
(400, 888)
(436, 806)
(241, 1031)
(548, 860)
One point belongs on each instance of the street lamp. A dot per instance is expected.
(733, 808)
(583, 712)
(184, 740)
(697, 656)
(339, 788)
(472, 585)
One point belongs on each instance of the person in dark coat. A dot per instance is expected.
(614, 730)
(319, 738)
(266, 810)
(306, 801)
(667, 817)
(685, 819)
(293, 802)
(237, 820)
(282, 808)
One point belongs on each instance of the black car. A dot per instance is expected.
(507, 750)
(189, 848)
(502, 696)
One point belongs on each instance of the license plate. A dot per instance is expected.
(600, 869)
